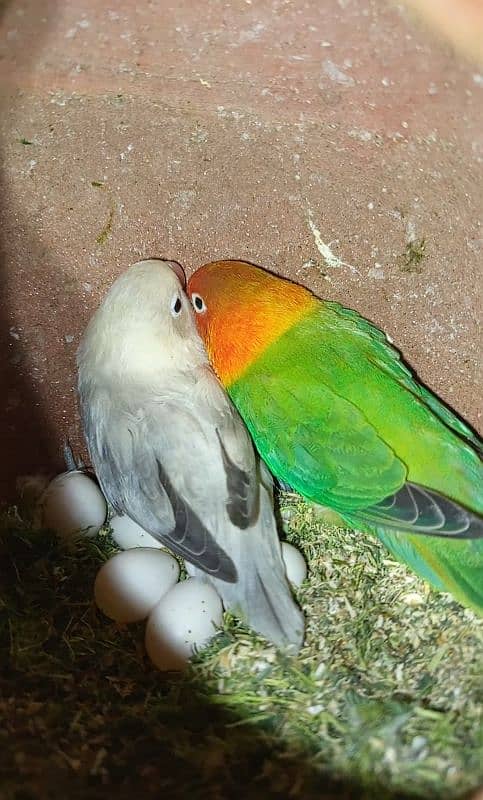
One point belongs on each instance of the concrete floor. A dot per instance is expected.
(333, 141)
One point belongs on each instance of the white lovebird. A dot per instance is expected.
(170, 450)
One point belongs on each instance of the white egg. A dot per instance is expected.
(295, 566)
(183, 622)
(128, 534)
(72, 505)
(131, 583)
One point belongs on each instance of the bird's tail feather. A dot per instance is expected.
(262, 596)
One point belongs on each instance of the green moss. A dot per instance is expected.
(413, 256)
(106, 231)
(383, 701)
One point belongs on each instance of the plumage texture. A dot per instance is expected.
(336, 415)
(171, 451)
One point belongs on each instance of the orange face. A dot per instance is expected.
(240, 310)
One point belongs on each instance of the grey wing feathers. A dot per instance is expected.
(416, 509)
(237, 452)
(191, 539)
(240, 506)
(135, 483)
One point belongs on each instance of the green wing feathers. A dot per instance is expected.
(322, 444)
(337, 415)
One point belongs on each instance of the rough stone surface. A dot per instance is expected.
(337, 143)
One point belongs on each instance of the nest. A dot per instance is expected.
(384, 700)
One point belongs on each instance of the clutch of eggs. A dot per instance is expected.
(141, 581)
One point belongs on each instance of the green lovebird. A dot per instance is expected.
(336, 415)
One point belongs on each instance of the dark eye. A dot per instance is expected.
(198, 303)
(176, 305)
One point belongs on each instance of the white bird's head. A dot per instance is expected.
(144, 326)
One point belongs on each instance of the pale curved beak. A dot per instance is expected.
(179, 271)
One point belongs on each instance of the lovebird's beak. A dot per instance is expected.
(178, 269)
